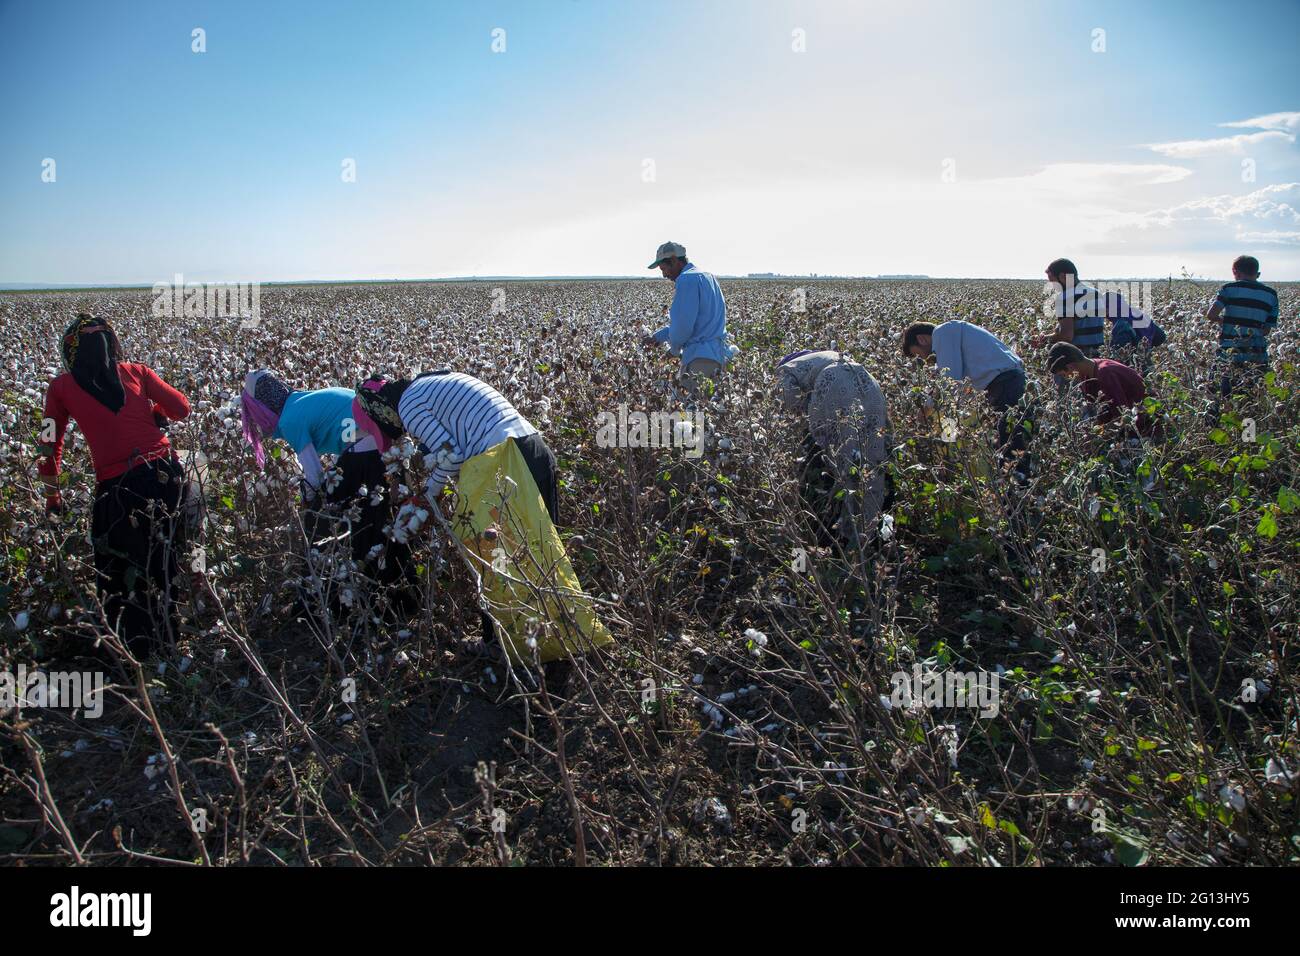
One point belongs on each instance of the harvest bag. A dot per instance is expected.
(528, 581)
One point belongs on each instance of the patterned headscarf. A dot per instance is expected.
(91, 352)
(794, 355)
(375, 409)
(261, 404)
(797, 374)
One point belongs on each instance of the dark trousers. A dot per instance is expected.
(540, 460)
(366, 468)
(820, 489)
(541, 464)
(1242, 377)
(138, 531)
(1004, 393)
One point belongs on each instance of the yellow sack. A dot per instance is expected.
(526, 573)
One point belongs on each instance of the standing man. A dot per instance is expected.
(1082, 313)
(964, 351)
(697, 326)
(1247, 310)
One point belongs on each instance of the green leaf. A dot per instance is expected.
(1267, 527)
(1129, 850)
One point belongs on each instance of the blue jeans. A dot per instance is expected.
(1241, 376)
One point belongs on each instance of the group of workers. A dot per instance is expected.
(504, 516)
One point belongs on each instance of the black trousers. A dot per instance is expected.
(138, 530)
(367, 468)
(818, 488)
(541, 463)
(1004, 393)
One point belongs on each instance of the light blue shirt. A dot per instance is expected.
(697, 320)
(317, 418)
(962, 350)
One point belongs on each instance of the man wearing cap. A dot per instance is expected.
(697, 326)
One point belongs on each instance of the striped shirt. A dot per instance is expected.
(1249, 314)
(1090, 309)
(457, 417)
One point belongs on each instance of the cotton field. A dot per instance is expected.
(1098, 667)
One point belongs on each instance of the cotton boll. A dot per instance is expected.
(1277, 774)
(1232, 797)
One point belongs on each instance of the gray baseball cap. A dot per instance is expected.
(669, 250)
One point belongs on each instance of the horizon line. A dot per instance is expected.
(752, 277)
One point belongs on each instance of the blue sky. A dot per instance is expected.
(946, 138)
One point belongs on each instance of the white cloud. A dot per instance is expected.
(1278, 237)
(1192, 148)
(859, 224)
(1267, 204)
(1100, 177)
(1282, 121)
(1266, 216)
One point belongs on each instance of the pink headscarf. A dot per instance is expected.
(370, 426)
(258, 419)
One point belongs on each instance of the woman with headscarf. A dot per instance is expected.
(506, 506)
(137, 527)
(846, 442)
(320, 422)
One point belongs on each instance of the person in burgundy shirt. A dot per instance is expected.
(136, 526)
(1112, 385)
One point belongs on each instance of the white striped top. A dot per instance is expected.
(457, 417)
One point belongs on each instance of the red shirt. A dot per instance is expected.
(1116, 386)
(118, 441)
